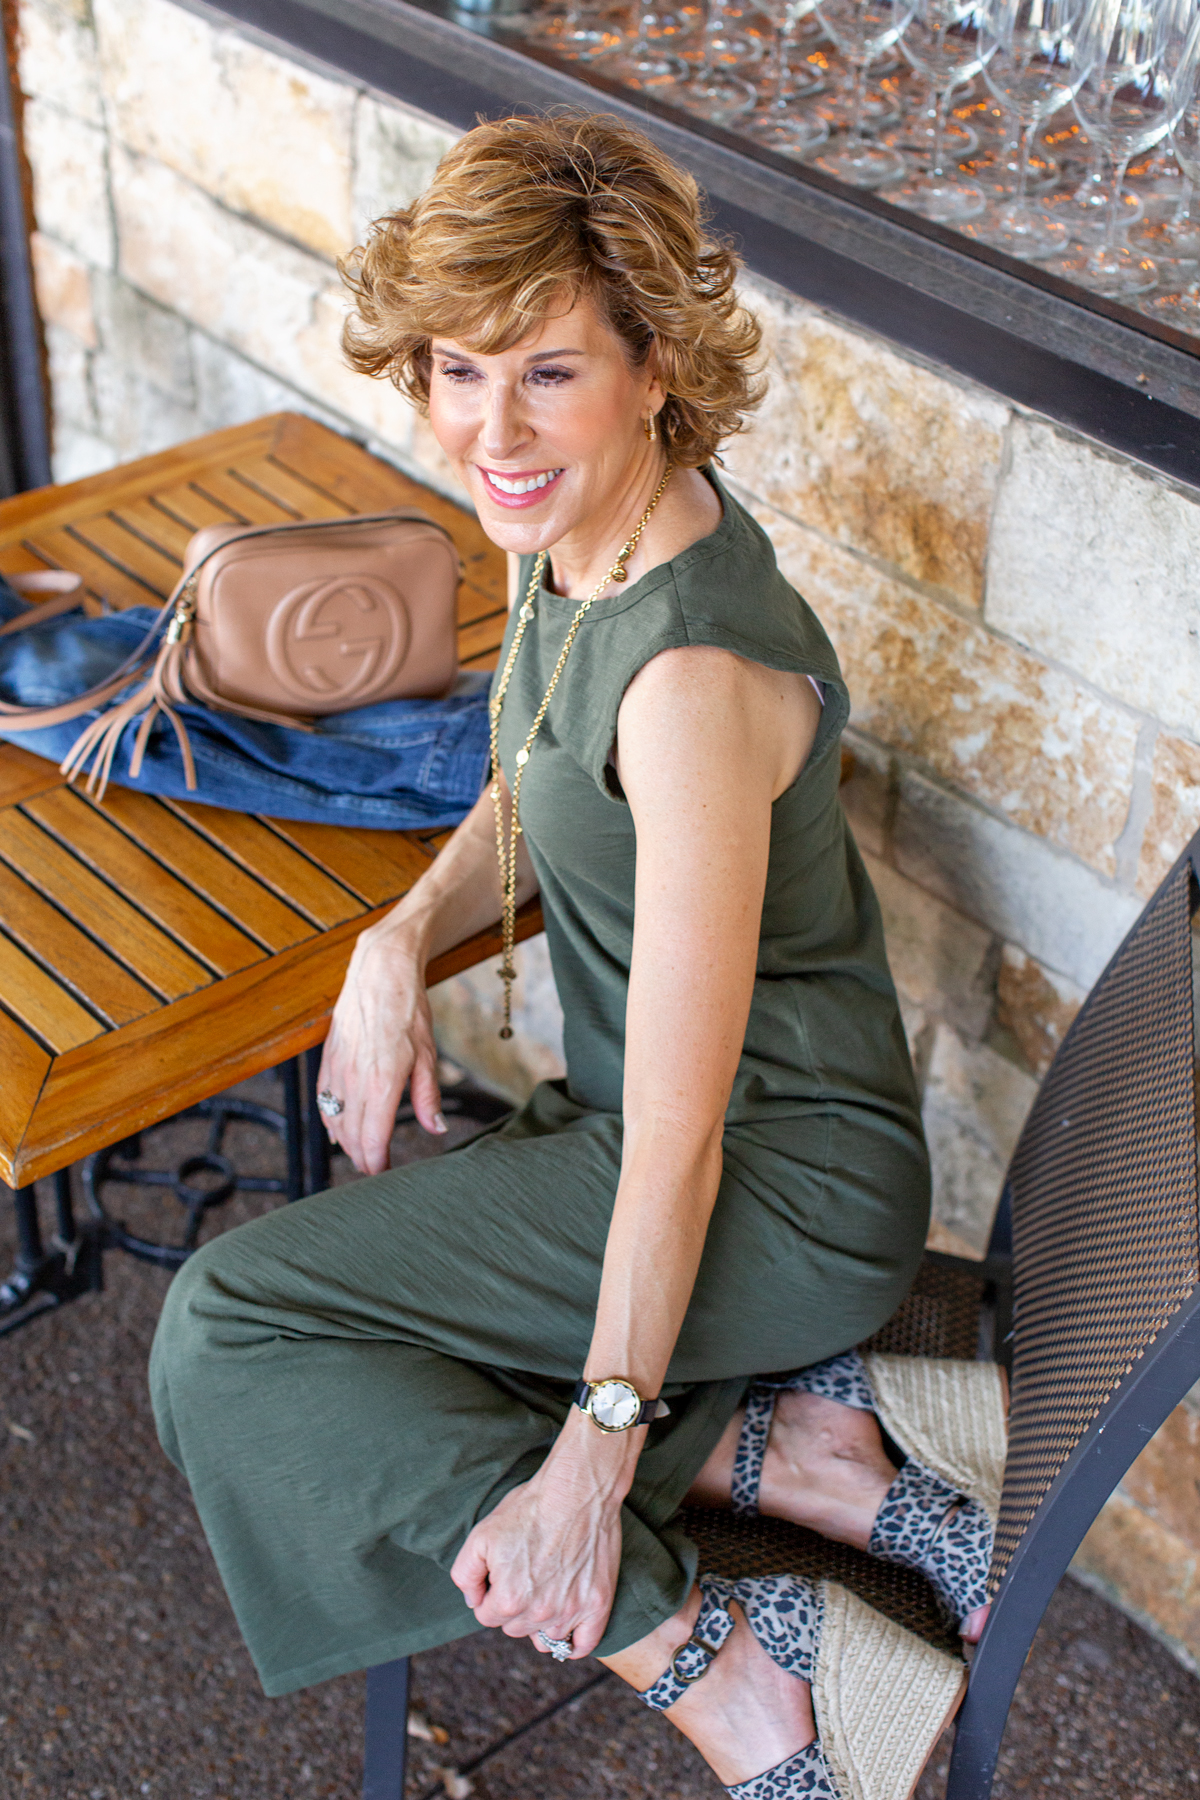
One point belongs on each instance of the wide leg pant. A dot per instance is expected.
(351, 1382)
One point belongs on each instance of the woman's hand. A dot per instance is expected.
(381, 1038)
(546, 1558)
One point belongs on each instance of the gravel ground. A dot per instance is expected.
(122, 1673)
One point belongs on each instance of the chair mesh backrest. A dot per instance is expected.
(1104, 1200)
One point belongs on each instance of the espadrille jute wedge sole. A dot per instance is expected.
(881, 1697)
(939, 1514)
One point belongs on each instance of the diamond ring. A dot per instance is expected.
(560, 1648)
(329, 1104)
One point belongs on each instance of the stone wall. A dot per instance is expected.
(1012, 603)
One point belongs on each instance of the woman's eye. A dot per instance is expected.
(456, 372)
(550, 377)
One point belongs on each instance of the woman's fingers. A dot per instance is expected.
(424, 1090)
(470, 1573)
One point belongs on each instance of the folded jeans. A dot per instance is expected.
(397, 766)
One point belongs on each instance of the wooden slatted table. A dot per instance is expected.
(152, 952)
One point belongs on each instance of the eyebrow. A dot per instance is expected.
(537, 356)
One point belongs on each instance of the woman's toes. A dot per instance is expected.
(972, 1626)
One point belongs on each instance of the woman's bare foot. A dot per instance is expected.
(745, 1714)
(825, 1467)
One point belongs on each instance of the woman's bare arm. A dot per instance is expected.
(706, 742)
(381, 1036)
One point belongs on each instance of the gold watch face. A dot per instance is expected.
(615, 1405)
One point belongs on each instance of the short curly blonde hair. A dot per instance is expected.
(526, 211)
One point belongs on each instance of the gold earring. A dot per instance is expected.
(651, 433)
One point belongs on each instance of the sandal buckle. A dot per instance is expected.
(693, 1643)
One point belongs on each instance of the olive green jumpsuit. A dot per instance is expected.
(350, 1383)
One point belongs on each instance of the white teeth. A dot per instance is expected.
(523, 487)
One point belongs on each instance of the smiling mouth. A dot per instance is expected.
(520, 484)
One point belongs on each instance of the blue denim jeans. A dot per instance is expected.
(397, 765)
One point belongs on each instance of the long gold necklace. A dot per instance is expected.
(508, 857)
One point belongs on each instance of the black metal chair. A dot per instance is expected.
(1090, 1293)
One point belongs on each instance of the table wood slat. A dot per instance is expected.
(26, 1064)
(291, 490)
(157, 525)
(38, 1000)
(247, 502)
(207, 870)
(23, 774)
(149, 952)
(277, 864)
(376, 865)
(157, 568)
(103, 578)
(193, 508)
(177, 908)
(107, 987)
(481, 639)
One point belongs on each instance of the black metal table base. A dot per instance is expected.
(45, 1277)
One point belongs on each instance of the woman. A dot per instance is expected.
(438, 1398)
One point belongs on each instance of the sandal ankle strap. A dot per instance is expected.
(694, 1658)
(751, 1448)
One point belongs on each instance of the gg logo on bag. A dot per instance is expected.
(337, 640)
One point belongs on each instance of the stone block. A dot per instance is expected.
(866, 795)
(57, 58)
(1035, 1005)
(231, 391)
(1174, 808)
(1146, 1570)
(1031, 895)
(259, 132)
(872, 450)
(64, 288)
(79, 453)
(467, 1020)
(974, 1106)
(989, 718)
(396, 152)
(146, 335)
(135, 416)
(1093, 564)
(1165, 1479)
(274, 304)
(940, 960)
(68, 159)
(72, 400)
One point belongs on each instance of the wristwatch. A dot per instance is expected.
(616, 1405)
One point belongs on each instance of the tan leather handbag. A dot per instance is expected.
(275, 622)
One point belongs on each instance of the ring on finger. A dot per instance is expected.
(329, 1105)
(561, 1649)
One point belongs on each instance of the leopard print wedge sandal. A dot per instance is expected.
(881, 1697)
(948, 1418)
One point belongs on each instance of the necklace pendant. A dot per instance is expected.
(526, 612)
(522, 758)
(621, 574)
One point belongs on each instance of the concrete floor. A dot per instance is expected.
(122, 1673)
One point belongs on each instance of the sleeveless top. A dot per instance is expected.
(824, 1033)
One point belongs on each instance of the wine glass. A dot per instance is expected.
(1035, 55)
(779, 122)
(942, 43)
(1183, 309)
(646, 60)
(715, 91)
(862, 31)
(1135, 90)
(579, 32)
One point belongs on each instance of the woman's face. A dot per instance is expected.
(549, 436)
